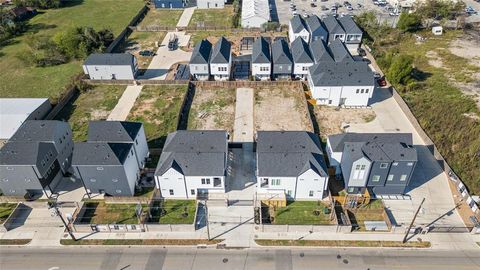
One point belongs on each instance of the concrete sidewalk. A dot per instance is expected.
(243, 127)
(125, 103)
(186, 16)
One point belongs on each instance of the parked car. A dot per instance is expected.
(323, 8)
(377, 75)
(346, 3)
(349, 8)
(360, 5)
(382, 82)
(313, 5)
(361, 52)
(323, 0)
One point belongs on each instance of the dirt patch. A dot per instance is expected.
(281, 108)
(467, 47)
(434, 59)
(213, 108)
(331, 120)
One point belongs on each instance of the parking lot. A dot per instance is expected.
(281, 9)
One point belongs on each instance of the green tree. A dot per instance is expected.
(409, 22)
(400, 70)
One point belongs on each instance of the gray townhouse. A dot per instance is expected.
(221, 60)
(335, 30)
(298, 28)
(383, 164)
(111, 66)
(121, 132)
(261, 59)
(200, 61)
(106, 168)
(302, 58)
(339, 52)
(316, 29)
(290, 164)
(353, 33)
(320, 51)
(282, 60)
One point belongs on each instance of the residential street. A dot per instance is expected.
(110, 258)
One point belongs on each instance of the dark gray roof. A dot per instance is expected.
(298, 24)
(27, 153)
(301, 51)
(314, 25)
(289, 153)
(201, 53)
(113, 131)
(40, 130)
(349, 25)
(320, 51)
(339, 52)
(341, 74)
(376, 151)
(100, 153)
(281, 53)
(194, 153)
(112, 59)
(221, 51)
(332, 25)
(338, 141)
(261, 51)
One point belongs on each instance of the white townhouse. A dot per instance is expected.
(207, 4)
(334, 29)
(255, 13)
(297, 27)
(346, 83)
(221, 60)
(302, 58)
(200, 61)
(110, 66)
(290, 164)
(261, 59)
(193, 162)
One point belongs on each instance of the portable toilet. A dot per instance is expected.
(437, 30)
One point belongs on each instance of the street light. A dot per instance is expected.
(59, 214)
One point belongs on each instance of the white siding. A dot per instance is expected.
(205, 4)
(359, 180)
(304, 34)
(328, 95)
(259, 74)
(131, 171)
(298, 69)
(334, 157)
(221, 75)
(199, 71)
(286, 184)
(195, 183)
(171, 180)
(109, 72)
(311, 181)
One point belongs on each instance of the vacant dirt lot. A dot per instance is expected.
(281, 108)
(331, 120)
(212, 108)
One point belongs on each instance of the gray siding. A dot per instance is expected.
(111, 179)
(201, 69)
(280, 69)
(376, 170)
(20, 180)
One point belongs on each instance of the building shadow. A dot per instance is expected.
(379, 95)
(426, 169)
(186, 106)
(273, 11)
(19, 218)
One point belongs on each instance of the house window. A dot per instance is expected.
(171, 192)
(395, 164)
(222, 68)
(310, 193)
(203, 181)
(410, 164)
(118, 191)
(136, 141)
(390, 177)
(350, 189)
(264, 68)
(304, 68)
(366, 91)
(275, 182)
(114, 180)
(315, 179)
(361, 91)
(376, 178)
(358, 91)
(27, 180)
(208, 181)
(93, 180)
(10, 168)
(403, 177)
(99, 168)
(383, 165)
(192, 191)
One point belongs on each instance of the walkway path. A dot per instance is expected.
(125, 104)
(186, 16)
(243, 127)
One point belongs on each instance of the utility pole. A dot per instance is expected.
(207, 221)
(58, 213)
(413, 220)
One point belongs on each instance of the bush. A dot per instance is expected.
(44, 4)
(409, 22)
(400, 71)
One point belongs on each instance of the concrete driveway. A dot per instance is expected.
(125, 103)
(428, 180)
(165, 59)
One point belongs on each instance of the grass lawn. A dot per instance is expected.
(302, 213)
(95, 104)
(145, 242)
(138, 41)
(212, 17)
(158, 108)
(5, 210)
(174, 212)
(102, 213)
(14, 241)
(161, 17)
(20, 80)
(371, 212)
(342, 243)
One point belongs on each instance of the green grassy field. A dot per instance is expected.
(174, 212)
(5, 210)
(161, 17)
(95, 104)
(302, 213)
(213, 17)
(19, 80)
(102, 213)
(158, 108)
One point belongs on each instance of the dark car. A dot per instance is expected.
(313, 5)
(361, 52)
(382, 82)
(146, 53)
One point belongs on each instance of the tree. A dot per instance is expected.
(400, 71)
(44, 4)
(409, 22)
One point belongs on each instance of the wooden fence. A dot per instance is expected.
(160, 28)
(126, 32)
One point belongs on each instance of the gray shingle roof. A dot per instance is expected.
(221, 52)
(201, 53)
(39, 130)
(113, 131)
(261, 51)
(301, 52)
(339, 52)
(100, 153)
(111, 59)
(341, 74)
(376, 151)
(25, 153)
(194, 153)
(281, 53)
(338, 141)
(349, 25)
(289, 153)
(320, 51)
(298, 24)
(332, 25)
(314, 25)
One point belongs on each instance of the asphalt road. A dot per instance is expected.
(124, 258)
